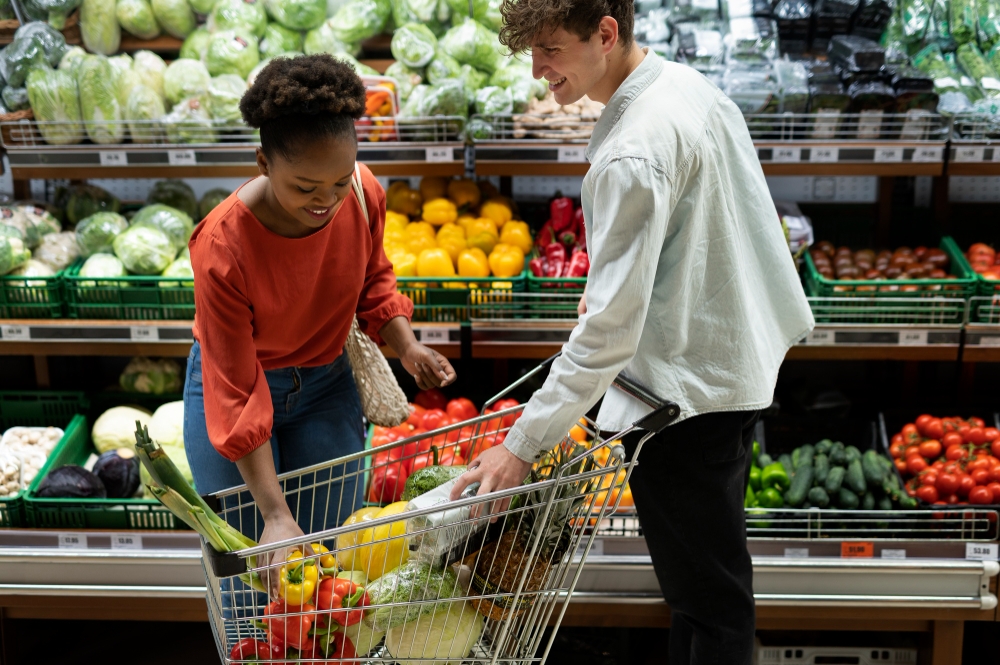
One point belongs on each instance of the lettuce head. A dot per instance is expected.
(414, 45)
(174, 16)
(232, 52)
(177, 225)
(136, 16)
(248, 14)
(99, 26)
(143, 112)
(297, 14)
(54, 98)
(185, 78)
(99, 105)
(196, 43)
(96, 233)
(150, 68)
(279, 39)
(224, 94)
(144, 249)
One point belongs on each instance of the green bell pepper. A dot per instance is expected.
(756, 452)
(769, 497)
(774, 475)
(750, 500)
(755, 478)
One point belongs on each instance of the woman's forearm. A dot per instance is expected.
(398, 334)
(257, 469)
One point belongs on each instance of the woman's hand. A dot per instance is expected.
(278, 528)
(428, 367)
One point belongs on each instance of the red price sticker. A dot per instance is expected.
(860, 550)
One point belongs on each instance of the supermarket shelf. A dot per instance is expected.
(971, 158)
(887, 158)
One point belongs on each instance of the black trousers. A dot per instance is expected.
(688, 488)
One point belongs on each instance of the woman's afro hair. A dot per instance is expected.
(304, 85)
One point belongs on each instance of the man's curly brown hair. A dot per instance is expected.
(303, 98)
(526, 20)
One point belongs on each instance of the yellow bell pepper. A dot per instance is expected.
(506, 260)
(394, 235)
(400, 198)
(451, 238)
(498, 210)
(433, 187)
(297, 579)
(404, 262)
(383, 548)
(327, 561)
(419, 236)
(435, 263)
(472, 262)
(517, 234)
(481, 233)
(463, 221)
(440, 211)
(346, 542)
(464, 193)
(395, 220)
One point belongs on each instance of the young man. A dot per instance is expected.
(692, 293)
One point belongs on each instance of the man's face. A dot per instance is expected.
(571, 65)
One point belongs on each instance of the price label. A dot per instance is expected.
(996, 153)
(928, 154)
(987, 340)
(893, 554)
(824, 155)
(820, 337)
(857, 550)
(72, 541)
(144, 333)
(572, 154)
(913, 338)
(440, 154)
(786, 155)
(970, 153)
(597, 549)
(432, 335)
(797, 552)
(888, 154)
(982, 551)
(15, 333)
(181, 157)
(126, 541)
(113, 158)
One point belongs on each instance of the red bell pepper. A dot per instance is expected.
(250, 649)
(335, 593)
(537, 266)
(335, 646)
(545, 236)
(387, 482)
(555, 254)
(292, 630)
(462, 408)
(579, 264)
(571, 235)
(561, 213)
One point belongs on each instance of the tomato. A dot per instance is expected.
(508, 420)
(976, 435)
(995, 488)
(927, 493)
(912, 451)
(949, 425)
(462, 409)
(965, 484)
(449, 458)
(416, 418)
(980, 496)
(963, 431)
(929, 477)
(910, 432)
(955, 453)
(934, 429)
(976, 422)
(980, 476)
(431, 399)
(435, 419)
(951, 499)
(995, 448)
(921, 422)
(466, 437)
(992, 433)
(402, 431)
(915, 464)
(951, 439)
(930, 448)
(947, 483)
(900, 464)
(897, 438)
(994, 474)
(977, 464)
(897, 450)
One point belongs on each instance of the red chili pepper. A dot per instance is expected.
(555, 254)
(579, 264)
(561, 213)
(537, 266)
(293, 630)
(335, 593)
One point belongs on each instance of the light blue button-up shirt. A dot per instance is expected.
(692, 291)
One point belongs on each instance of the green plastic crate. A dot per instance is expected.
(964, 287)
(444, 299)
(32, 297)
(35, 409)
(132, 297)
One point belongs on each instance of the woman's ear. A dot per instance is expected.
(262, 162)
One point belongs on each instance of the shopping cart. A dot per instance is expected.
(475, 580)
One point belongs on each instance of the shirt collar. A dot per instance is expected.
(630, 88)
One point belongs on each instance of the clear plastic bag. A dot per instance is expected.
(793, 86)
(793, 18)
(696, 10)
(753, 40)
(856, 54)
(752, 90)
(699, 47)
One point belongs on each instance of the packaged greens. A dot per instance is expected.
(99, 105)
(279, 39)
(696, 10)
(793, 86)
(492, 100)
(414, 45)
(931, 61)
(975, 65)
(232, 52)
(915, 15)
(989, 24)
(953, 103)
(446, 98)
(99, 26)
(360, 19)
(20, 57)
(136, 16)
(224, 94)
(472, 80)
(967, 84)
(15, 99)
(486, 12)
(913, 88)
(653, 27)
(856, 54)
(471, 43)
(698, 47)
(752, 90)
(143, 111)
(418, 11)
(752, 40)
(54, 98)
(828, 102)
(247, 14)
(297, 14)
(203, 7)
(174, 16)
(994, 57)
(405, 77)
(871, 100)
(195, 44)
(189, 122)
(964, 21)
(185, 78)
(442, 67)
(323, 40)
(873, 16)
(793, 18)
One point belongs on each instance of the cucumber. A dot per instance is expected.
(801, 483)
(907, 502)
(425, 479)
(834, 480)
(855, 478)
(795, 457)
(805, 456)
(786, 461)
(872, 468)
(837, 454)
(764, 460)
(868, 501)
(852, 453)
(891, 487)
(819, 497)
(847, 499)
(824, 446)
(821, 468)
(885, 503)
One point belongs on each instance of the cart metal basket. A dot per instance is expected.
(475, 580)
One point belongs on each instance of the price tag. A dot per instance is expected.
(969, 153)
(824, 155)
(786, 155)
(820, 337)
(597, 549)
(928, 154)
(893, 554)
(576, 154)
(913, 338)
(989, 340)
(15, 333)
(440, 154)
(857, 550)
(982, 551)
(72, 541)
(888, 154)
(181, 157)
(144, 333)
(126, 541)
(439, 335)
(797, 552)
(113, 158)
(996, 153)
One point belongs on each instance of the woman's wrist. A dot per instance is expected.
(398, 334)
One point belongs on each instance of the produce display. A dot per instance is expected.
(461, 228)
(562, 242)
(23, 452)
(949, 460)
(31, 241)
(825, 475)
(154, 377)
(920, 263)
(984, 260)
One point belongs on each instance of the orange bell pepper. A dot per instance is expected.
(400, 198)
(433, 187)
(506, 260)
(464, 193)
(374, 99)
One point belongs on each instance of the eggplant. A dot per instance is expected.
(71, 482)
(119, 471)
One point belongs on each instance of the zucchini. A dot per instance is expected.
(818, 497)
(801, 483)
(872, 468)
(847, 499)
(821, 468)
(834, 480)
(855, 478)
(852, 453)
(805, 456)
(868, 501)
(786, 461)
(837, 455)
(823, 447)
(764, 460)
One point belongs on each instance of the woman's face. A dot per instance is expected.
(311, 187)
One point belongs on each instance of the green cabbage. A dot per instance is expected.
(99, 26)
(323, 40)
(297, 14)
(144, 250)
(360, 19)
(143, 112)
(203, 7)
(196, 44)
(99, 105)
(136, 16)
(486, 12)
(22, 55)
(48, 38)
(54, 98)
(179, 268)
(96, 233)
(175, 224)
(101, 265)
(232, 52)
(185, 78)
(84, 200)
(153, 377)
(248, 14)
(150, 68)
(492, 100)
(71, 59)
(15, 99)
(279, 39)
(473, 80)
(58, 250)
(442, 67)
(33, 268)
(414, 45)
(444, 638)
(416, 11)
(210, 200)
(176, 196)
(224, 94)
(44, 220)
(128, 81)
(189, 122)
(13, 254)
(174, 16)
(471, 43)
(446, 98)
(406, 79)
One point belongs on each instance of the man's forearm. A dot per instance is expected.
(257, 469)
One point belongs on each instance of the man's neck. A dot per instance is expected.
(621, 65)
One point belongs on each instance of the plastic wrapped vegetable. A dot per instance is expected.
(447, 636)
(58, 250)
(15, 99)
(964, 21)
(99, 105)
(210, 200)
(127, 81)
(297, 14)
(150, 68)
(15, 224)
(203, 7)
(472, 79)
(143, 112)
(279, 39)
(177, 225)
(406, 79)
(85, 200)
(446, 98)
(420, 11)
(323, 40)
(360, 68)
(988, 14)
(232, 52)
(96, 233)
(185, 78)
(915, 16)
(174, 16)
(13, 254)
(224, 94)
(248, 14)
(442, 67)
(975, 65)
(101, 265)
(71, 58)
(144, 250)
(196, 44)
(99, 26)
(43, 220)
(360, 19)
(414, 45)
(33, 268)
(176, 195)
(492, 100)
(471, 43)
(20, 57)
(54, 11)
(136, 16)
(486, 12)
(189, 122)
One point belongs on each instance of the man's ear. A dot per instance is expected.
(262, 162)
(608, 30)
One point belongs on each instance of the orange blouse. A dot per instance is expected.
(264, 301)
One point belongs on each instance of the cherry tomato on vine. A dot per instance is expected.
(980, 495)
(915, 464)
(927, 493)
(931, 448)
(947, 483)
(934, 429)
(965, 484)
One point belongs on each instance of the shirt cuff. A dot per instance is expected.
(372, 321)
(522, 447)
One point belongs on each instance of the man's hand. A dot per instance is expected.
(581, 307)
(428, 367)
(276, 529)
(494, 469)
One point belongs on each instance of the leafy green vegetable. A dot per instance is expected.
(442, 67)
(472, 79)
(915, 16)
(414, 45)
(179, 268)
(447, 636)
(189, 122)
(409, 583)
(54, 98)
(174, 16)
(99, 106)
(210, 200)
(420, 11)
(13, 254)
(127, 81)
(136, 16)
(144, 250)
(176, 196)
(195, 44)
(322, 40)
(99, 26)
(84, 200)
(54, 11)
(150, 68)
(471, 43)
(486, 12)
(143, 111)
(15, 99)
(232, 52)
(230, 14)
(446, 98)
(96, 233)
(989, 24)
(975, 65)
(492, 100)
(964, 21)
(360, 68)
(20, 57)
(279, 39)
(51, 41)
(71, 59)
(101, 265)
(405, 78)
(297, 14)
(224, 94)
(185, 78)
(360, 19)
(175, 224)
